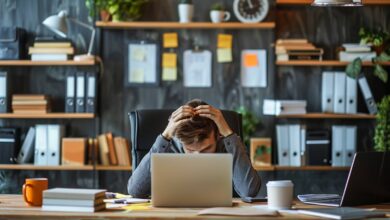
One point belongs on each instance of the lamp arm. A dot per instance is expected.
(82, 23)
(91, 41)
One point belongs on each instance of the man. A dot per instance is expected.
(198, 127)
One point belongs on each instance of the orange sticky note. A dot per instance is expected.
(170, 40)
(225, 41)
(251, 60)
(169, 60)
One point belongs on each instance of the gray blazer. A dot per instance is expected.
(246, 181)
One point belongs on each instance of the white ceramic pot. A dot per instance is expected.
(186, 12)
(219, 16)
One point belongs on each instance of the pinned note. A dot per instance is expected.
(225, 41)
(251, 60)
(170, 40)
(224, 55)
(169, 74)
(137, 76)
(169, 60)
(139, 54)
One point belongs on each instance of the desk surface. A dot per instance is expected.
(12, 206)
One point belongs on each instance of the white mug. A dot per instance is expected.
(219, 16)
(280, 194)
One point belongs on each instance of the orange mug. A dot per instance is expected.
(33, 189)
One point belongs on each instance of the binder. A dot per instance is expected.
(283, 145)
(4, 105)
(9, 145)
(26, 152)
(338, 143)
(294, 134)
(339, 92)
(318, 148)
(91, 93)
(54, 135)
(80, 92)
(70, 93)
(351, 96)
(327, 91)
(350, 144)
(40, 155)
(369, 99)
(303, 145)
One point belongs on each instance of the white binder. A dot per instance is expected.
(303, 145)
(40, 156)
(351, 96)
(368, 98)
(294, 133)
(283, 142)
(27, 150)
(327, 91)
(70, 93)
(54, 134)
(339, 92)
(350, 144)
(80, 92)
(338, 143)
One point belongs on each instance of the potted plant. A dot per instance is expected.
(382, 129)
(186, 11)
(125, 10)
(218, 13)
(98, 6)
(380, 41)
(249, 123)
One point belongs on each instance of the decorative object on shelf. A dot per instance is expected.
(380, 41)
(260, 152)
(382, 129)
(125, 10)
(250, 11)
(249, 123)
(338, 3)
(186, 11)
(218, 13)
(98, 6)
(57, 24)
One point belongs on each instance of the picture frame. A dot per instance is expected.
(261, 152)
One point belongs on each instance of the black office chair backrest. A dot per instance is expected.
(146, 125)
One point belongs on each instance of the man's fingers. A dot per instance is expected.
(184, 115)
(182, 109)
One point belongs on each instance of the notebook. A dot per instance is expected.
(342, 213)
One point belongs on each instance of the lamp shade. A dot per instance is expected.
(57, 23)
(342, 3)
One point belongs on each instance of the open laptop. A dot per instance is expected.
(191, 180)
(368, 181)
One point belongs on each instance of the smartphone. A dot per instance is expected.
(254, 199)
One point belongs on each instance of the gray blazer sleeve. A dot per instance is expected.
(139, 182)
(246, 181)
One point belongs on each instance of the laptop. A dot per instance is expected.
(191, 180)
(368, 182)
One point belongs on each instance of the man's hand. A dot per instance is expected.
(179, 116)
(216, 115)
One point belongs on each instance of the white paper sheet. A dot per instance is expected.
(197, 68)
(255, 76)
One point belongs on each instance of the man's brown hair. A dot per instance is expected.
(197, 128)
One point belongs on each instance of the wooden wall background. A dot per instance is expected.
(325, 27)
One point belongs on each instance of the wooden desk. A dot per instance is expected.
(12, 206)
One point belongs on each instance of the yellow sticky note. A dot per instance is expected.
(225, 41)
(169, 74)
(139, 54)
(139, 206)
(169, 60)
(170, 40)
(251, 60)
(137, 76)
(224, 55)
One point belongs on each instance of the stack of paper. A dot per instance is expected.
(353, 51)
(297, 49)
(73, 200)
(51, 49)
(30, 104)
(281, 107)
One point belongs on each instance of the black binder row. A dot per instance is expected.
(81, 92)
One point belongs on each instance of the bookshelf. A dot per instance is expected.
(328, 116)
(45, 63)
(321, 63)
(308, 2)
(301, 168)
(49, 115)
(36, 167)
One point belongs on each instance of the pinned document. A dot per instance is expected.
(254, 68)
(169, 60)
(224, 55)
(142, 66)
(170, 40)
(197, 68)
(225, 41)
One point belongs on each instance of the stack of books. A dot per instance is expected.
(30, 104)
(51, 49)
(114, 150)
(284, 107)
(73, 200)
(353, 51)
(297, 49)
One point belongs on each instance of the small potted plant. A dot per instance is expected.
(249, 123)
(382, 129)
(218, 13)
(186, 11)
(125, 10)
(98, 6)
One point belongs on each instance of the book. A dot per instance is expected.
(73, 202)
(74, 193)
(17, 97)
(122, 150)
(43, 50)
(29, 102)
(348, 56)
(52, 44)
(287, 57)
(342, 213)
(103, 150)
(317, 197)
(292, 40)
(61, 208)
(49, 57)
(356, 47)
(111, 149)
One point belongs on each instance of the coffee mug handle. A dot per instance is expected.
(25, 194)
(226, 16)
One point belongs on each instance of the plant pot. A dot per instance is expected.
(105, 15)
(217, 16)
(186, 12)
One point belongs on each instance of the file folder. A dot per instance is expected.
(91, 93)
(303, 145)
(294, 134)
(327, 91)
(54, 135)
(350, 144)
(283, 145)
(40, 156)
(369, 99)
(338, 143)
(26, 152)
(339, 92)
(80, 92)
(4, 105)
(70, 93)
(351, 96)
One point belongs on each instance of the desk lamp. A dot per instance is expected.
(57, 23)
(342, 3)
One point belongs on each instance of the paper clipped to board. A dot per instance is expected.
(170, 40)
(225, 41)
(254, 68)
(142, 63)
(197, 68)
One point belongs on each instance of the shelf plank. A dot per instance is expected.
(321, 63)
(49, 115)
(329, 116)
(35, 167)
(311, 168)
(192, 25)
(118, 168)
(45, 63)
(308, 2)
(264, 168)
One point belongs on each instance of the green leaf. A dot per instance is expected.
(380, 73)
(383, 57)
(353, 69)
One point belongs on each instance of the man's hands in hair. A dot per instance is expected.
(179, 116)
(214, 114)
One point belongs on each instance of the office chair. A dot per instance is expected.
(146, 125)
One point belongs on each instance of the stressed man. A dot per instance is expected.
(197, 127)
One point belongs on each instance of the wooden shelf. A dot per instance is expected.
(45, 63)
(329, 116)
(177, 25)
(321, 63)
(35, 167)
(119, 168)
(306, 168)
(264, 168)
(49, 115)
(308, 2)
